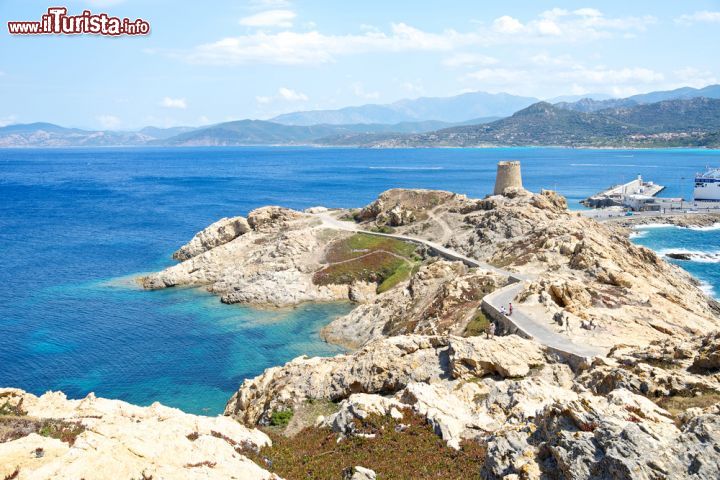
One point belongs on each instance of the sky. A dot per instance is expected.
(210, 62)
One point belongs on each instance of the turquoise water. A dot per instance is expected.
(77, 224)
(698, 240)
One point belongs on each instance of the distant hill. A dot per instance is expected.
(693, 122)
(594, 104)
(682, 117)
(258, 132)
(575, 98)
(459, 108)
(50, 135)
(711, 91)
(162, 133)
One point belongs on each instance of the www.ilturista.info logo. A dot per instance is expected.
(58, 22)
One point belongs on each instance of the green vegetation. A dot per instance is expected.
(9, 409)
(368, 258)
(382, 229)
(61, 430)
(281, 418)
(360, 244)
(400, 450)
(477, 326)
(403, 272)
(375, 267)
(14, 427)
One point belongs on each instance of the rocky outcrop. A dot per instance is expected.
(122, 441)
(698, 220)
(270, 265)
(399, 207)
(384, 366)
(536, 419)
(440, 298)
(219, 233)
(621, 436)
(708, 353)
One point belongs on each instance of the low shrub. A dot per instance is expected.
(281, 418)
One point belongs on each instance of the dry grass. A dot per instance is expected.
(677, 404)
(410, 450)
(477, 326)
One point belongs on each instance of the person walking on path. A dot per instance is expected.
(509, 309)
(490, 330)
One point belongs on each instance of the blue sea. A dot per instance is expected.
(76, 225)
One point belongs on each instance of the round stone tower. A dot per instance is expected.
(508, 175)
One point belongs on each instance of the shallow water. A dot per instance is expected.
(76, 224)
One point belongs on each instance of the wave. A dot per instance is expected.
(693, 255)
(707, 289)
(649, 226)
(707, 228)
(639, 234)
(405, 168)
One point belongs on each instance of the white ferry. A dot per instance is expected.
(707, 185)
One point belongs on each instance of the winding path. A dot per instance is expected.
(522, 323)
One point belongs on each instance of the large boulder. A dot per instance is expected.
(219, 233)
(384, 366)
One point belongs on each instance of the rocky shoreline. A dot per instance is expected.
(650, 408)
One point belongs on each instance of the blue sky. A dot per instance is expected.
(208, 62)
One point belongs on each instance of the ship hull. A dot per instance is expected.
(707, 189)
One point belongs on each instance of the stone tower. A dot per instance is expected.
(508, 175)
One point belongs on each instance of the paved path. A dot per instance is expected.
(536, 330)
(529, 326)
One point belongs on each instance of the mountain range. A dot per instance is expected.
(681, 117)
(670, 123)
(454, 109)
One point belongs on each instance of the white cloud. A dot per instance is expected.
(359, 91)
(413, 88)
(313, 47)
(693, 77)
(291, 95)
(588, 12)
(703, 16)
(283, 94)
(602, 76)
(9, 120)
(109, 121)
(270, 3)
(507, 24)
(168, 102)
(203, 120)
(270, 18)
(548, 27)
(497, 75)
(545, 76)
(469, 60)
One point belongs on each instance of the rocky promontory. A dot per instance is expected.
(573, 267)
(425, 377)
